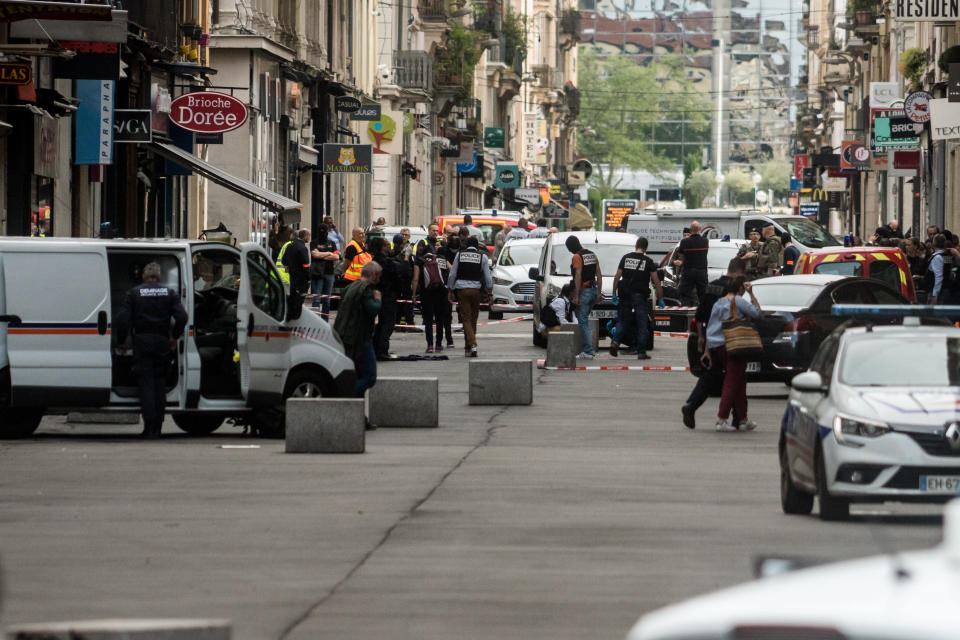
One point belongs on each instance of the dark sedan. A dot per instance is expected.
(797, 317)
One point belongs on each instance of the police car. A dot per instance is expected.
(903, 597)
(876, 417)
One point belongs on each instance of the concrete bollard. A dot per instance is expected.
(104, 417)
(561, 349)
(325, 425)
(500, 381)
(121, 629)
(578, 341)
(405, 402)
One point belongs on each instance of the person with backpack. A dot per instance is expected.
(430, 273)
(468, 281)
(558, 311)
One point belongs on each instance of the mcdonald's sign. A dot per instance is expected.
(819, 195)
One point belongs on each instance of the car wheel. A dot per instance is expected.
(19, 422)
(495, 315)
(792, 500)
(831, 508)
(198, 424)
(270, 422)
(538, 340)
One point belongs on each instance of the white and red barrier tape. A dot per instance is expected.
(671, 334)
(541, 365)
(311, 296)
(459, 325)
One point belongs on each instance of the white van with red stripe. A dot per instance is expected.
(241, 356)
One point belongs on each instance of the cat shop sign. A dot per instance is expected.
(208, 112)
(347, 158)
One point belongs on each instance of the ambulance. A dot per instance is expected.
(243, 353)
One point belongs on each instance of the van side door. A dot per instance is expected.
(58, 341)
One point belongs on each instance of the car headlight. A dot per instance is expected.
(553, 291)
(501, 281)
(844, 426)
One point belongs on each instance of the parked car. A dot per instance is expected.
(886, 264)
(874, 419)
(718, 257)
(489, 225)
(797, 317)
(511, 280)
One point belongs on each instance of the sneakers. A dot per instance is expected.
(473, 352)
(449, 343)
(746, 425)
(583, 355)
(643, 356)
(429, 349)
(439, 348)
(724, 425)
(613, 349)
(687, 412)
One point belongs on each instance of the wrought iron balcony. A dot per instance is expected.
(433, 10)
(413, 70)
(570, 23)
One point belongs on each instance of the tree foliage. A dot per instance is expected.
(626, 106)
(699, 185)
(776, 175)
(738, 182)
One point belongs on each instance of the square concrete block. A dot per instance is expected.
(325, 425)
(578, 342)
(405, 402)
(561, 349)
(500, 381)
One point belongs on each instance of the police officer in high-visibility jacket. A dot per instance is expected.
(355, 256)
(146, 312)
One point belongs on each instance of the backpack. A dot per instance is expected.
(432, 278)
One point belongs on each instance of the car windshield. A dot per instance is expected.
(785, 294)
(921, 362)
(720, 257)
(519, 254)
(807, 233)
(608, 254)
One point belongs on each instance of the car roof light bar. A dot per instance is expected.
(896, 310)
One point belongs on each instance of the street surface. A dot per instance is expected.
(565, 519)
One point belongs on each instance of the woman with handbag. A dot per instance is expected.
(732, 337)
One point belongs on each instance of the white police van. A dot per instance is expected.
(240, 356)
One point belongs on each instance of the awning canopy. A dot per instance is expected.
(13, 10)
(267, 198)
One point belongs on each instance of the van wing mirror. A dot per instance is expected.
(534, 274)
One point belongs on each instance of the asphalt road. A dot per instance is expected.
(565, 519)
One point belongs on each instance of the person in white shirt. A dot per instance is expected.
(539, 231)
(520, 231)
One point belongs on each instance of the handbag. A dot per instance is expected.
(741, 338)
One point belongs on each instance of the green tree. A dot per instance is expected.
(776, 175)
(738, 182)
(698, 186)
(624, 107)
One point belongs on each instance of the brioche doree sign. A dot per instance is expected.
(208, 112)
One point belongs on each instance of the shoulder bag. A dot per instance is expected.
(740, 336)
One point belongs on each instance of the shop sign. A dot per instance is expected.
(160, 102)
(530, 196)
(796, 184)
(347, 158)
(917, 106)
(13, 10)
(529, 138)
(810, 210)
(507, 176)
(93, 61)
(853, 155)
(468, 167)
(15, 73)
(953, 82)
(834, 184)
(131, 125)
(407, 122)
(467, 152)
(926, 10)
(367, 112)
(423, 121)
(554, 212)
(883, 94)
(208, 112)
(800, 162)
(46, 146)
(896, 132)
(494, 137)
(614, 211)
(93, 122)
(347, 104)
(944, 119)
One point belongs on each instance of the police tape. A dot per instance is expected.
(318, 296)
(671, 334)
(541, 364)
(418, 328)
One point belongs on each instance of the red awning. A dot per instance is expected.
(14, 10)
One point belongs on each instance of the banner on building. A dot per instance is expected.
(407, 122)
(132, 125)
(93, 61)
(944, 119)
(800, 162)
(507, 176)
(529, 138)
(347, 158)
(926, 10)
(385, 133)
(93, 122)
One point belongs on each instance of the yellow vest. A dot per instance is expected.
(284, 275)
(355, 267)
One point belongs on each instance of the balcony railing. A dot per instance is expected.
(413, 70)
(570, 22)
(432, 10)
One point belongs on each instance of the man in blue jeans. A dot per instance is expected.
(587, 283)
(632, 286)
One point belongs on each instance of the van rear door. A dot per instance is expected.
(59, 343)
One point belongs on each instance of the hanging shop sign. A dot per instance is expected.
(347, 104)
(555, 212)
(494, 137)
(895, 133)
(530, 196)
(347, 158)
(13, 10)
(926, 10)
(809, 210)
(407, 122)
(367, 112)
(507, 176)
(853, 155)
(468, 167)
(800, 162)
(15, 73)
(132, 125)
(208, 112)
(944, 119)
(423, 121)
(917, 106)
(93, 61)
(953, 82)
(884, 94)
(93, 130)
(834, 184)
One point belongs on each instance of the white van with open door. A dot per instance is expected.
(241, 355)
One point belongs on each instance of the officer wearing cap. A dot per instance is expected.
(146, 312)
(770, 256)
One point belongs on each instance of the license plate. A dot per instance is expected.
(524, 298)
(943, 485)
(753, 367)
(603, 313)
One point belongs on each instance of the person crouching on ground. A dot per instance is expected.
(559, 310)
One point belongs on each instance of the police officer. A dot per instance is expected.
(146, 312)
(468, 281)
(771, 253)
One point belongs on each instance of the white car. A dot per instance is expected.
(718, 257)
(886, 597)
(512, 285)
(875, 418)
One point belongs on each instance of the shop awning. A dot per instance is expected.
(267, 198)
(14, 10)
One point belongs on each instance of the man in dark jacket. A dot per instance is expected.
(711, 378)
(146, 312)
(790, 255)
(693, 270)
(354, 324)
(389, 286)
(296, 259)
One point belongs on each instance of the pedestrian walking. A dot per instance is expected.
(448, 251)
(632, 286)
(770, 258)
(323, 256)
(734, 395)
(146, 312)
(430, 274)
(391, 277)
(469, 280)
(710, 380)
(587, 285)
(355, 325)
(790, 255)
(693, 268)
(750, 254)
